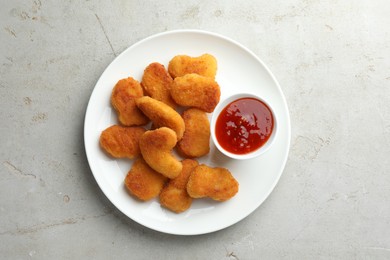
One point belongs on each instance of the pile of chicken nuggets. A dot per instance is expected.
(151, 129)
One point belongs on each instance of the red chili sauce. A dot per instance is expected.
(244, 125)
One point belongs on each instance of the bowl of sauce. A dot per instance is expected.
(243, 126)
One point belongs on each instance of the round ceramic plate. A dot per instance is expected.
(239, 70)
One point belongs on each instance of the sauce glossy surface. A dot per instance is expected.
(244, 125)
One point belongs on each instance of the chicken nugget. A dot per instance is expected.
(196, 138)
(161, 115)
(193, 90)
(205, 65)
(144, 182)
(156, 148)
(156, 83)
(121, 141)
(216, 183)
(123, 100)
(174, 195)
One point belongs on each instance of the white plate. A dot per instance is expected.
(239, 70)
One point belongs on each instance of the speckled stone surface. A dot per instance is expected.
(332, 60)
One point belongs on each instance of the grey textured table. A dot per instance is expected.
(332, 60)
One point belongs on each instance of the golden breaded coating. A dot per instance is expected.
(161, 115)
(193, 90)
(123, 100)
(121, 141)
(196, 138)
(174, 195)
(216, 183)
(157, 82)
(156, 148)
(144, 182)
(205, 65)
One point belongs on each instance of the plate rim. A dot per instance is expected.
(253, 55)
